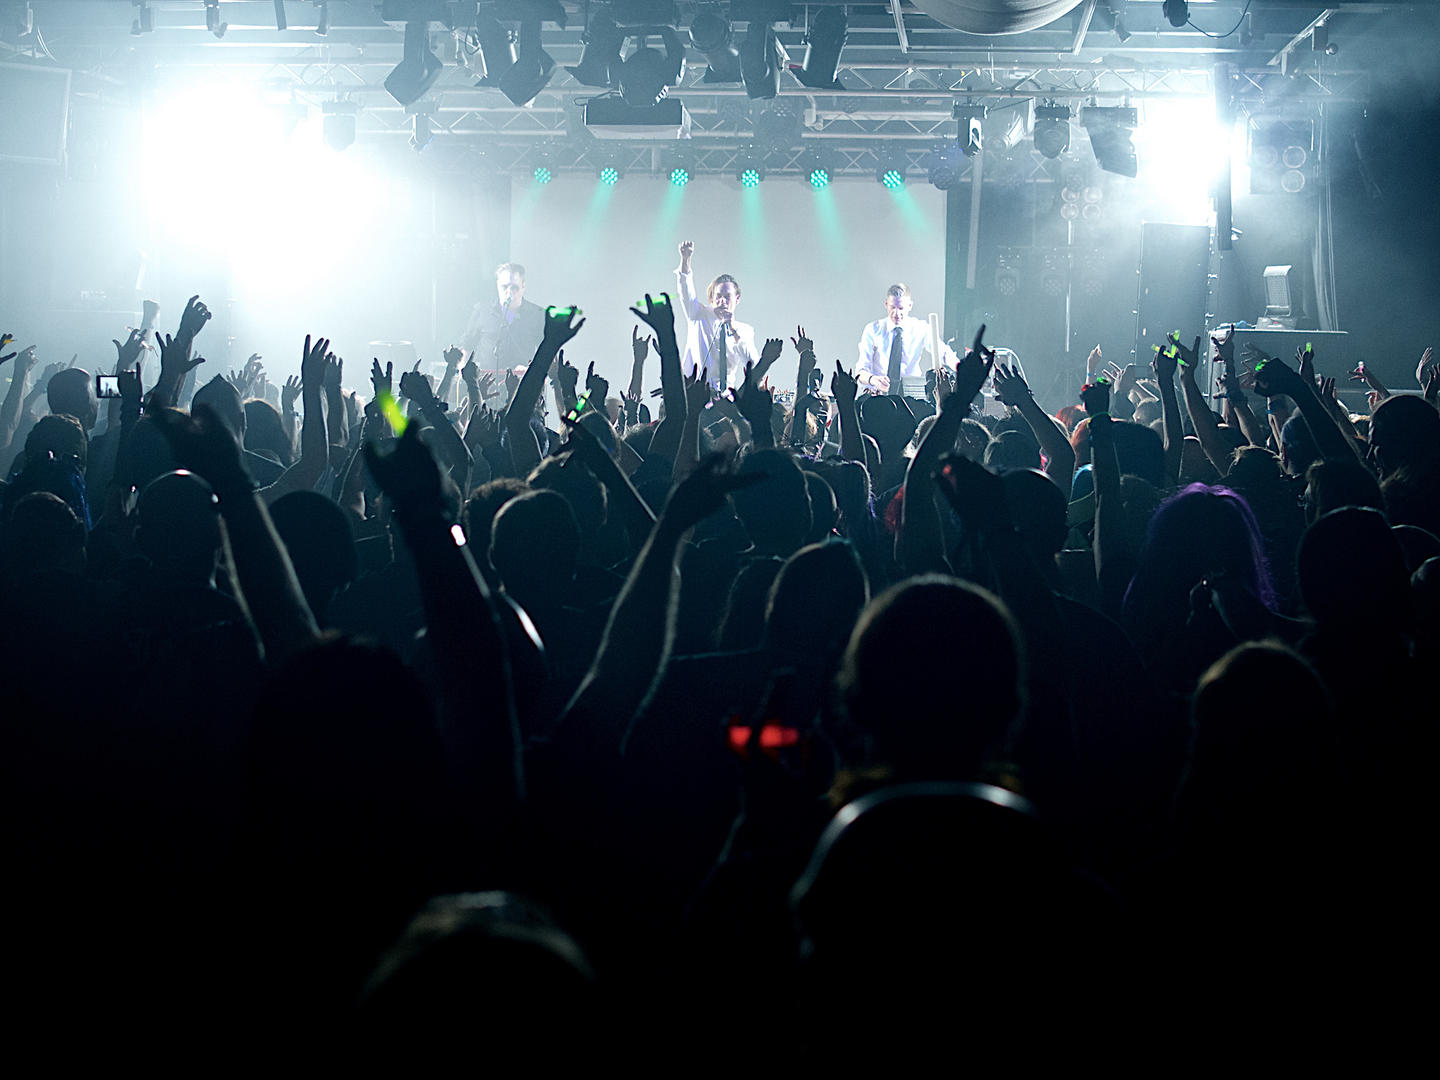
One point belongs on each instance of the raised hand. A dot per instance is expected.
(756, 403)
(313, 362)
(974, 368)
(1092, 362)
(289, 393)
(334, 372)
(843, 386)
(1305, 361)
(703, 492)
(1010, 386)
(1165, 363)
(771, 350)
(6, 339)
(484, 428)
(639, 345)
(1225, 348)
(687, 250)
(193, 319)
(944, 385)
(471, 371)
(561, 327)
(416, 387)
(802, 341)
(408, 474)
(130, 387)
(1095, 397)
(567, 375)
(1187, 358)
(1426, 365)
(1432, 385)
(697, 391)
(175, 359)
(381, 380)
(453, 356)
(126, 355)
(597, 386)
(659, 315)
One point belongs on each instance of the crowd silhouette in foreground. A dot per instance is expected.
(433, 720)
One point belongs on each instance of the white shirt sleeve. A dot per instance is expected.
(869, 359)
(688, 301)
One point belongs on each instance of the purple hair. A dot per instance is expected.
(1190, 536)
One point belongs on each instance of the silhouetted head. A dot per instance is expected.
(72, 392)
(317, 534)
(482, 506)
(919, 723)
(1405, 434)
(1201, 532)
(1334, 482)
(484, 970)
(62, 437)
(815, 599)
(42, 535)
(534, 547)
(823, 511)
(1038, 509)
(1249, 760)
(149, 455)
(585, 494)
(1012, 450)
(265, 433)
(1256, 473)
(1352, 572)
(889, 420)
(180, 526)
(220, 394)
(776, 511)
(1195, 465)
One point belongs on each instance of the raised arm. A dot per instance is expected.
(1014, 391)
(19, 376)
(449, 446)
(1110, 557)
(175, 358)
(336, 429)
(1207, 430)
(1166, 364)
(462, 624)
(685, 282)
(1273, 377)
(560, 327)
(843, 388)
(660, 317)
(625, 501)
(687, 454)
(262, 566)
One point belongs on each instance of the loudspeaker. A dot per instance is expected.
(1174, 266)
(34, 112)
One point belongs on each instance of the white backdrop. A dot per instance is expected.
(822, 259)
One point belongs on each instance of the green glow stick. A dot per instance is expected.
(392, 412)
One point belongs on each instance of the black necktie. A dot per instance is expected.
(724, 375)
(897, 359)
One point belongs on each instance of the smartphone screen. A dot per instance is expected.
(107, 386)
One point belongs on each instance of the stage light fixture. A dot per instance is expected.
(533, 68)
(647, 74)
(1177, 11)
(609, 175)
(421, 131)
(750, 171)
(600, 62)
(711, 35)
(417, 72)
(144, 21)
(542, 174)
(944, 166)
(1109, 130)
(1279, 156)
(1052, 130)
(890, 171)
(212, 19)
(494, 50)
(824, 42)
(816, 171)
(338, 124)
(970, 118)
(761, 61)
(1007, 272)
(679, 176)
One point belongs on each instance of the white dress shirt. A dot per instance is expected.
(916, 358)
(702, 340)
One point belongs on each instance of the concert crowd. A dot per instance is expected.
(512, 718)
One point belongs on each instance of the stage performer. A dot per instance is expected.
(715, 340)
(895, 352)
(505, 334)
